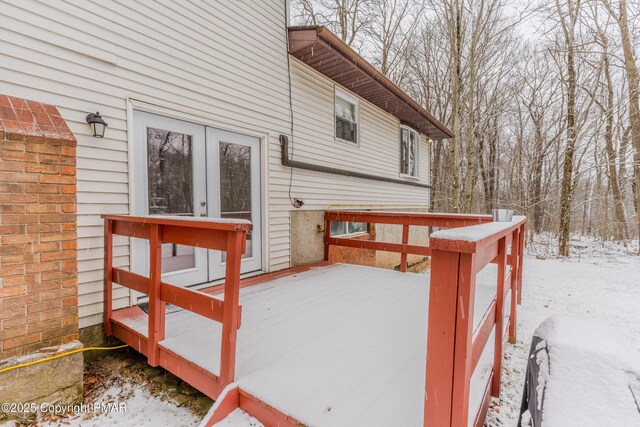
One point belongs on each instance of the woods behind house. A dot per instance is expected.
(543, 99)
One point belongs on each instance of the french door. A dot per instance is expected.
(187, 169)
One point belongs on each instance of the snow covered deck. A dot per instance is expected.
(334, 344)
(338, 345)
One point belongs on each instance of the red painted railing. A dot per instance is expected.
(222, 235)
(454, 346)
(406, 219)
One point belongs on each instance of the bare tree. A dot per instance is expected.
(344, 17)
(568, 19)
(633, 81)
(543, 123)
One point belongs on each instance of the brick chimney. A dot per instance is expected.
(38, 251)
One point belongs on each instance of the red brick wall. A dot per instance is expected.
(38, 251)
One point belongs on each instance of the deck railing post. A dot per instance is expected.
(327, 235)
(520, 263)
(231, 313)
(513, 313)
(403, 255)
(108, 275)
(443, 293)
(499, 331)
(462, 360)
(156, 305)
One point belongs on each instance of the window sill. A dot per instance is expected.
(346, 141)
(359, 234)
(409, 177)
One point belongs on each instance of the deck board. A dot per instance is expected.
(338, 345)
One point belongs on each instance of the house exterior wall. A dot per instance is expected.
(191, 61)
(378, 150)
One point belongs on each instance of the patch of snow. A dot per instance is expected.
(217, 403)
(198, 218)
(239, 418)
(474, 233)
(142, 410)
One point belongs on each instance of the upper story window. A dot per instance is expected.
(346, 117)
(409, 151)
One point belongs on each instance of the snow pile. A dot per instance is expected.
(474, 233)
(590, 376)
(239, 418)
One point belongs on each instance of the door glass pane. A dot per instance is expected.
(235, 186)
(170, 172)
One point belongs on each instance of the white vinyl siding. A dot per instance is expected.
(219, 63)
(190, 57)
(377, 152)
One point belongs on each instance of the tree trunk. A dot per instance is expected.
(620, 229)
(633, 81)
(454, 155)
(567, 170)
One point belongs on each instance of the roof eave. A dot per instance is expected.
(305, 41)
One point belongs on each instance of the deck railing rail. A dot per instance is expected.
(406, 219)
(454, 345)
(223, 235)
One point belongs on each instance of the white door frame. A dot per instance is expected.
(154, 105)
(214, 138)
(197, 274)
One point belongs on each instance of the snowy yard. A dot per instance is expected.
(600, 284)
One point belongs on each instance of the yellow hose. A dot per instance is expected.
(57, 356)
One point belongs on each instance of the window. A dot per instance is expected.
(346, 117)
(342, 228)
(409, 151)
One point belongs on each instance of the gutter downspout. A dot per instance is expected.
(286, 161)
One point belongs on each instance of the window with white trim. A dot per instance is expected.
(409, 151)
(345, 228)
(346, 117)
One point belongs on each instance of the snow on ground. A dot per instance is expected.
(142, 410)
(600, 282)
(239, 418)
(131, 394)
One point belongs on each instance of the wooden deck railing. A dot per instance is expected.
(454, 345)
(406, 219)
(222, 235)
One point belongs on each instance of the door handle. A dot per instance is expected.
(203, 212)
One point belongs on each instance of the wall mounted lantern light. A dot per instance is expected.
(98, 125)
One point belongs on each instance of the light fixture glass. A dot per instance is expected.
(98, 125)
